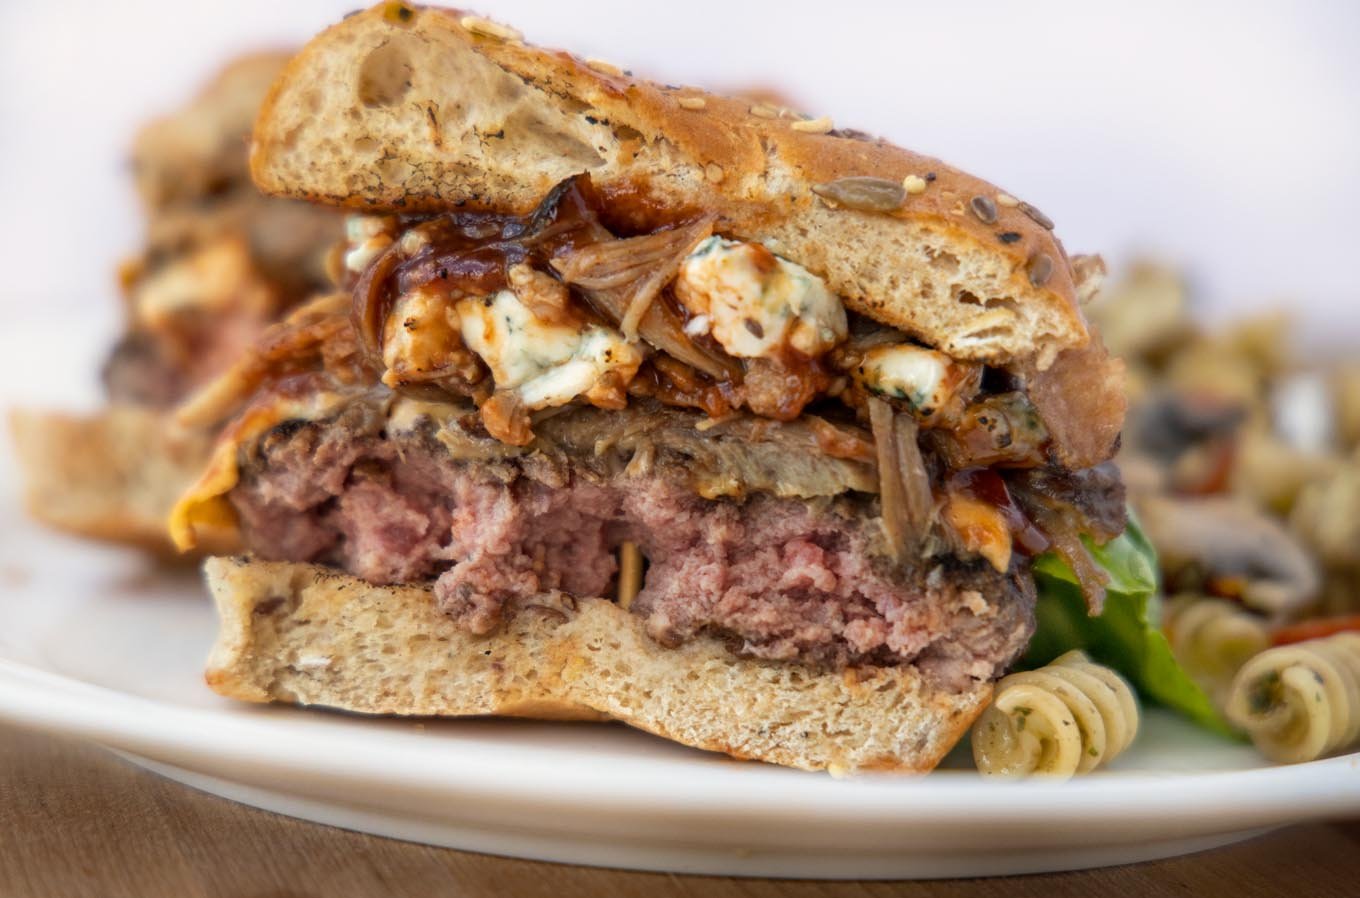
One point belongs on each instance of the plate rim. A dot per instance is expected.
(57, 703)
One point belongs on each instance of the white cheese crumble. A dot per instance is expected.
(922, 377)
(418, 332)
(549, 364)
(366, 236)
(754, 302)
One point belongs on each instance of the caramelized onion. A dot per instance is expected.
(622, 279)
(1081, 400)
(1003, 429)
(1066, 541)
(1065, 504)
(904, 485)
(369, 312)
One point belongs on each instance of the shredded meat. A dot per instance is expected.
(625, 276)
(903, 484)
(781, 389)
(506, 419)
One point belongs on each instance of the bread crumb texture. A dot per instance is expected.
(312, 636)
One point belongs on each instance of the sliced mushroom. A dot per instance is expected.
(1224, 539)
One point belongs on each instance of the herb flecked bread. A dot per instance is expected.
(406, 109)
(313, 636)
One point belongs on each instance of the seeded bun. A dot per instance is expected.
(405, 109)
(112, 476)
(309, 635)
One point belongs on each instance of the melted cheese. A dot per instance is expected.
(981, 528)
(755, 303)
(405, 414)
(549, 364)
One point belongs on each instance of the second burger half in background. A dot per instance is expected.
(221, 261)
(649, 404)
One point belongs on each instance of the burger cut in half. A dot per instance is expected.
(647, 404)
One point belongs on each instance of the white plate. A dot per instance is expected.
(95, 642)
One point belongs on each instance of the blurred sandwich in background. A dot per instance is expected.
(220, 262)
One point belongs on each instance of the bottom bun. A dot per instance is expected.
(111, 476)
(309, 635)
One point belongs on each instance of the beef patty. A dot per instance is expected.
(792, 579)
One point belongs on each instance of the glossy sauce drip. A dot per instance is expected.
(471, 253)
(986, 485)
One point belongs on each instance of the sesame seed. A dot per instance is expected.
(1008, 237)
(1005, 199)
(983, 208)
(1037, 217)
(692, 102)
(814, 126)
(714, 172)
(398, 12)
(488, 28)
(1040, 269)
(930, 176)
(866, 194)
(764, 110)
(914, 184)
(604, 66)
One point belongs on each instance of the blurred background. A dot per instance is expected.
(1223, 137)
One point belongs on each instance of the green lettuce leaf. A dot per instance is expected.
(1126, 635)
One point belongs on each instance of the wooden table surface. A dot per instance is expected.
(76, 821)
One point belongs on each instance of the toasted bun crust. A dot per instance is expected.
(403, 109)
(112, 476)
(305, 634)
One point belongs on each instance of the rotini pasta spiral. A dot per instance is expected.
(1300, 702)
(1212, 639)
(1062, 719)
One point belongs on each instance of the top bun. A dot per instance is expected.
(404, 109)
